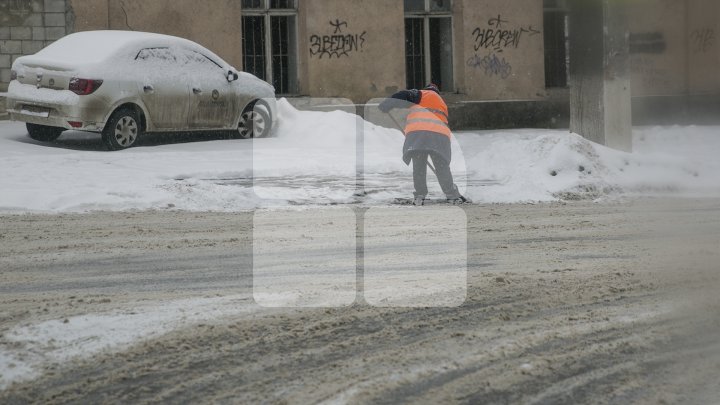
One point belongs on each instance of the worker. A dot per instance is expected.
(427, 134)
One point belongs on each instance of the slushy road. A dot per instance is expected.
(566, 303)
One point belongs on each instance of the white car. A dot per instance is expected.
(123, 84)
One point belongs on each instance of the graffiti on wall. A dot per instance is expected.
(337, 44)
(496, 36)
(499, 35)
(702, 40)
(492, 65)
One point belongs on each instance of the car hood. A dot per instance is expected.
(251, 84)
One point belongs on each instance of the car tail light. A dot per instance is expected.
(75, 124)
(13, 75)
(83, 87)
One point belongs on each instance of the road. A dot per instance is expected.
(565, 303)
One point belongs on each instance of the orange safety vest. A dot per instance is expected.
(430, 115)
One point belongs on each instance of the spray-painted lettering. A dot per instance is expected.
(338, 44)
(492, 65)
(498, 36)
(702, 40)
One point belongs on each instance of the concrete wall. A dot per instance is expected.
(491, 68)
(26, 26)
(657, 46)
(352, 48)
(90, 15)
(675, 47)
(703, 46)
(185, 18)
(215, 24)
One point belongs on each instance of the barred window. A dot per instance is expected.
(556, 43)
(270, 42)
(428, 43)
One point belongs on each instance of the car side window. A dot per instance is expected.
(157, 55)
(196, 59)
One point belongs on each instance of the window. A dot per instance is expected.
(175, 56)
(428, 43)
(556, 43)
(270, 42)
(156, 54)
(196, 58)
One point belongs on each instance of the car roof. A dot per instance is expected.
(90, 47)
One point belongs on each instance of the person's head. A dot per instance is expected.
(433, 87)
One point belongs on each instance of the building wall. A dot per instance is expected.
(351, 48)
(185, 18)
(502, 49)
(657, 47)
(89, 15)
(675, 48)
(704, 46)
(27, 26)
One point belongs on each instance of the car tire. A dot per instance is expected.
(122, 130)
(44, 133)
(255, 122)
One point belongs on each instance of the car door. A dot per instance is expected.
(164, 88)
(213, 101)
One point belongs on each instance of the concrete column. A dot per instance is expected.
(600, 95)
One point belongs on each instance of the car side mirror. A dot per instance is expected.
(232, 76)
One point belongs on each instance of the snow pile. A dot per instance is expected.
(316, 158)
(537, 165)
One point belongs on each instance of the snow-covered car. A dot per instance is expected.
(123, 84)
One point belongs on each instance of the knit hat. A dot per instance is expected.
(433, 87)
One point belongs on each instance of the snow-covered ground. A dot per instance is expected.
(323, 158)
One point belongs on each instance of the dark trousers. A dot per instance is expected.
(442, 169)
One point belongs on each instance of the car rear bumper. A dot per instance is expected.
(55, 108)
(56, 121)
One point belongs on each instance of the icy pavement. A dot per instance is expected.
(336, 158)
(60, 341)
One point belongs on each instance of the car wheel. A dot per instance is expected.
(123, 130)
(44, 133)
(255, 122)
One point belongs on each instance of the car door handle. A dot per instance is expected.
(148, 89)
(197, 91)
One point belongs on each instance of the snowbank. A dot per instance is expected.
(537, 165)
(316, 157)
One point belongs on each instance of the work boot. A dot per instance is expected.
(419, 201)
(459, 201)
